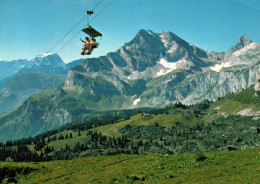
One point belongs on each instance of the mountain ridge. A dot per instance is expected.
(45, 70)
(131, 77)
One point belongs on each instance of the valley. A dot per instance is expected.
(158, 109)
(177, 129)
(113, 92)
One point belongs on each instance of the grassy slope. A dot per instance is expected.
(241, 166)
(165, 120)
(221, 167)
(246, 99)
(229, 105)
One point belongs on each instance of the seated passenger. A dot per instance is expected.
(86, 45)
(94, 43)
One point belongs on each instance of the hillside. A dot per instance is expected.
(23, 85)
(230, 123)
(217, 167)
(7, 69)
(245, 103)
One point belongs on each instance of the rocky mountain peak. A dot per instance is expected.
(142, 51)
(48, 59)
(167, 35)
(47, 63)
(144, 38)
(143, 32)
(243, 41)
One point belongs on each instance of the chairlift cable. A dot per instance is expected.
(97, 4)
(66, 34)
(101, 10)
(68, 41)
(80, 30)
(73, 28)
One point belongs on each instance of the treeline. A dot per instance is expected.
(196, 108)
(233, 132)
(97, 144)
(104, 118)
(17, 150)
(96, 119)
(19, 153)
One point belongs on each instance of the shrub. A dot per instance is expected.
(200, 157)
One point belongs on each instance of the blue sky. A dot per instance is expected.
(31, 27)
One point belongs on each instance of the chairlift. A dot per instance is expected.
(92, 34)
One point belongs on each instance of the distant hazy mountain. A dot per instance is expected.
(47, 63)
(152, 70)
(8, 68)
(23, 85)
(30, 77)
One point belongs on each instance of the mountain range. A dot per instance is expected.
(152, 70)
(22, 78)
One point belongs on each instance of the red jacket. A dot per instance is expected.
(86, 42)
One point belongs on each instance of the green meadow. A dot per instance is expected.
(240, 166)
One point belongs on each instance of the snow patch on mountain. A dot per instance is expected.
(173, 48)
(47, 54)
(151, 33)
(245, 49)
(164, 41)
(167, 64)
(42, 56)
(136, 101)
(162, 72)
(168, 67)
(134, 75)
(170, 45)
(219, 67)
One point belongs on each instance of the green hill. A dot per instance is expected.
(146, 146)
(176, 129)
(241, 166)
(240, 106)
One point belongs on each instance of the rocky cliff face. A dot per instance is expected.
(152, 70)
